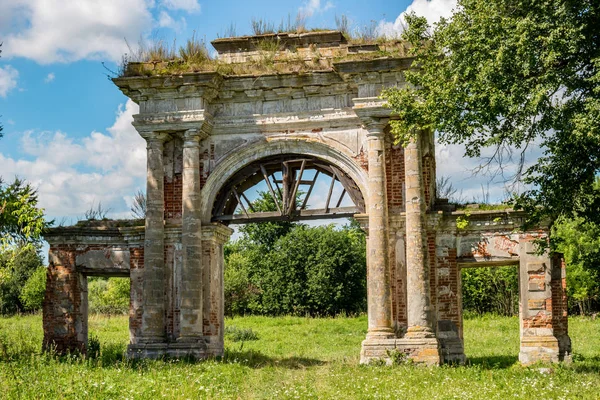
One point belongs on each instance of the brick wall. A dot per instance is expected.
(136, 265)
(394, 173)
(173, 165)
(429, 180)
(431, 259)
(449, 306)
(65, 311)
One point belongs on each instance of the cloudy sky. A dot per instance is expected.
(67, 127)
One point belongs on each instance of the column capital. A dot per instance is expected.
(192, 137)
(374, 126)
(154, 137)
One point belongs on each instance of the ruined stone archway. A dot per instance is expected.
(202, 128)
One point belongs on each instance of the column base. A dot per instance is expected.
(196, 351)
(421, 351)
(545, 349)
(451, 344)
(382, 333)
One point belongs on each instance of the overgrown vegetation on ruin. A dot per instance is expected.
(294, 358)
(159, 57)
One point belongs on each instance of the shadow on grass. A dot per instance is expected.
(114, 355)
(585, 364)
(493, 362)
(256, 359)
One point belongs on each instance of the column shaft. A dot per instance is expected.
(153, 320)
(420, 321)
(191, 238)
(379, 300)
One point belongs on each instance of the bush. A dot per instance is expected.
(310, 270)
(108, 296)
(491, 290)
(32, 294)
(17, 265)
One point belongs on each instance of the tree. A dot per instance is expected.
(32, 293)
(17, 265)
(266, 233)
(22, 224)
(508, 74)
(579, 242)
(21, 221)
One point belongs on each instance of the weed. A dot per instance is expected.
(93, 348)
(236, 334)
(194, 51)
(342, 24)
(261, 26)
(96, 214)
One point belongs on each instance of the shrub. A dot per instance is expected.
(17, 265)
(32, 294)
(308, 270)
(494, 290)
(108, 296)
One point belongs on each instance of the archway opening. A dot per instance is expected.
(490, 308)
(296, 250)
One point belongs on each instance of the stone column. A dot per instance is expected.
(542, 311)
(153, 319)
(214, 237)
(420, 318)
(191, 238)
(379, 301)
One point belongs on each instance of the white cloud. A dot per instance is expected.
(50, 77)
(433, 10)
(191, 6)
(451, 162)
(8, 79)
(48, 31)
(166, 21)
(312, 7)
(72, 175)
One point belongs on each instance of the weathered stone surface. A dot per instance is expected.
(203, 128)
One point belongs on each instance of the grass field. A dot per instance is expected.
(295, 358)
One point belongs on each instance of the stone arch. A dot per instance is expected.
(236, 160)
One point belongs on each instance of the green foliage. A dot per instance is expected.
(21, 221)
(17, 265)
(579, 242)
(462, 222)
(109, 296)
(236, 334)
(32, 294)
(315, 271)
(266, 233)
(93, 348)
(241, 294)
(513, 73)
(491, 290)
(307, 270)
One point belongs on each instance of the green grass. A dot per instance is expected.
(294, 358)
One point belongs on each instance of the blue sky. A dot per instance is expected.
(67, 127)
